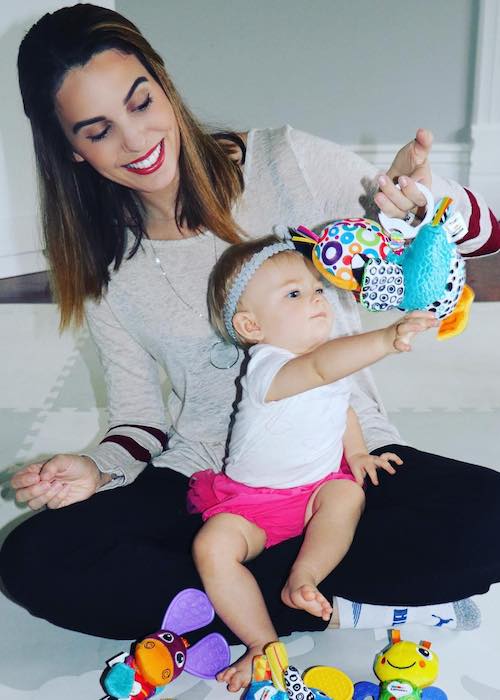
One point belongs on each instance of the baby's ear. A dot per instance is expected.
(245, 324)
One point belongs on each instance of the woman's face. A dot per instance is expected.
(118, 119)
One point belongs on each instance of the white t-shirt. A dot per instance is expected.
(290, 442)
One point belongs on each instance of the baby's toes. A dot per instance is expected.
(238, 681)
(226, 675)
(303, 594)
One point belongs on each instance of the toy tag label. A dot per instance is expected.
(400, 689)
(455, 226)
(118, 659)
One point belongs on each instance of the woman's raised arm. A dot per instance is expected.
(346, 186)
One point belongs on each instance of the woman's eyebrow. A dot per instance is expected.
(94, 120)
(136, 82)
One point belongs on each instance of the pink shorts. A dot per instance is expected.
(279, 512)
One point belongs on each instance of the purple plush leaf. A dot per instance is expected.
(208, 656)
(189, 610)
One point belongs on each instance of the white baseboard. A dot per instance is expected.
(485, 163)
(22, 264)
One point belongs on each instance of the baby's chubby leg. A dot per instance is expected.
(220, 549)
(332, 515)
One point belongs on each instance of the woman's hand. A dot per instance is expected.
(410, 165)
(363, 465)
(58, 482)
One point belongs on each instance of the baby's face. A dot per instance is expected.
(286, 296)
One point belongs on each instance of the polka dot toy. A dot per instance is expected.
(339, 242)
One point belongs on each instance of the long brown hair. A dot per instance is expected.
(85, 216)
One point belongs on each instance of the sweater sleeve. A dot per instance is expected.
(342, 183)
(136, 412)
(344, 186)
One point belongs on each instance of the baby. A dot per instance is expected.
(297, 459)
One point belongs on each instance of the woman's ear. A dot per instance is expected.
(245, 324)
(77, 158)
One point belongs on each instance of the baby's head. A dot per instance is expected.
(264, 291)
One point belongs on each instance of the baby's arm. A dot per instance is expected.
(340, 357)
(356, 453)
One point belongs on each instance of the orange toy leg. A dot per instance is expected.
(456, 322)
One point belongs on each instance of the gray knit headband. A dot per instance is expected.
(243, 278)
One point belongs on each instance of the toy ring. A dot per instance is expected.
(403, 226)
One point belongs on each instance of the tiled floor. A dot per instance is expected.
(52, 400)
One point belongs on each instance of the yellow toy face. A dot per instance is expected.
(408, 661)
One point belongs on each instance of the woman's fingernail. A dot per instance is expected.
(382, 181)
(403, 181)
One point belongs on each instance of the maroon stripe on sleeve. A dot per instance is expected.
(492, 245)
(155, 432)
(133, 448)
(474, 219)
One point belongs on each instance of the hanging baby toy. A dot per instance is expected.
(161, 657)
(394, 265)
(405, 671)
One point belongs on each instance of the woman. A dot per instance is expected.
(138, 202)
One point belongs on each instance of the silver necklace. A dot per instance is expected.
(222, 355)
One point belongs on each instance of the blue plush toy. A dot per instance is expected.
(387, 271)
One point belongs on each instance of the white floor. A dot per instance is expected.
(52, 399)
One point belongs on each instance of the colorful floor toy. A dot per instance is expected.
(274, 679)
(161, 657)
(405, 670)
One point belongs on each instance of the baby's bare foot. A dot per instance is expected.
(239, 675)
(300, 592)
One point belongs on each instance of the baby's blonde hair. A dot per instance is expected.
(223, 275)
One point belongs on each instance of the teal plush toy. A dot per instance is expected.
(387, 271)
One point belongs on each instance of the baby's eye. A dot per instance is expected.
(320, 290)
(293, 294)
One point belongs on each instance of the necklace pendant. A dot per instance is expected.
(224, 355)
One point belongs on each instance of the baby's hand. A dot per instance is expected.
(405, 329)
(363, 465)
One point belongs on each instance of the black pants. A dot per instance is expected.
(109, 566)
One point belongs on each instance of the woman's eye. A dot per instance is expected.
(144, 105)
(293, 294)
(100, 136)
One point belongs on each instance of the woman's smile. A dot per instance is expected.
(148, 163)
(118, 119)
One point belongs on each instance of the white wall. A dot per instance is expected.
(361, 72)
(20, 246)
(355, 71)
